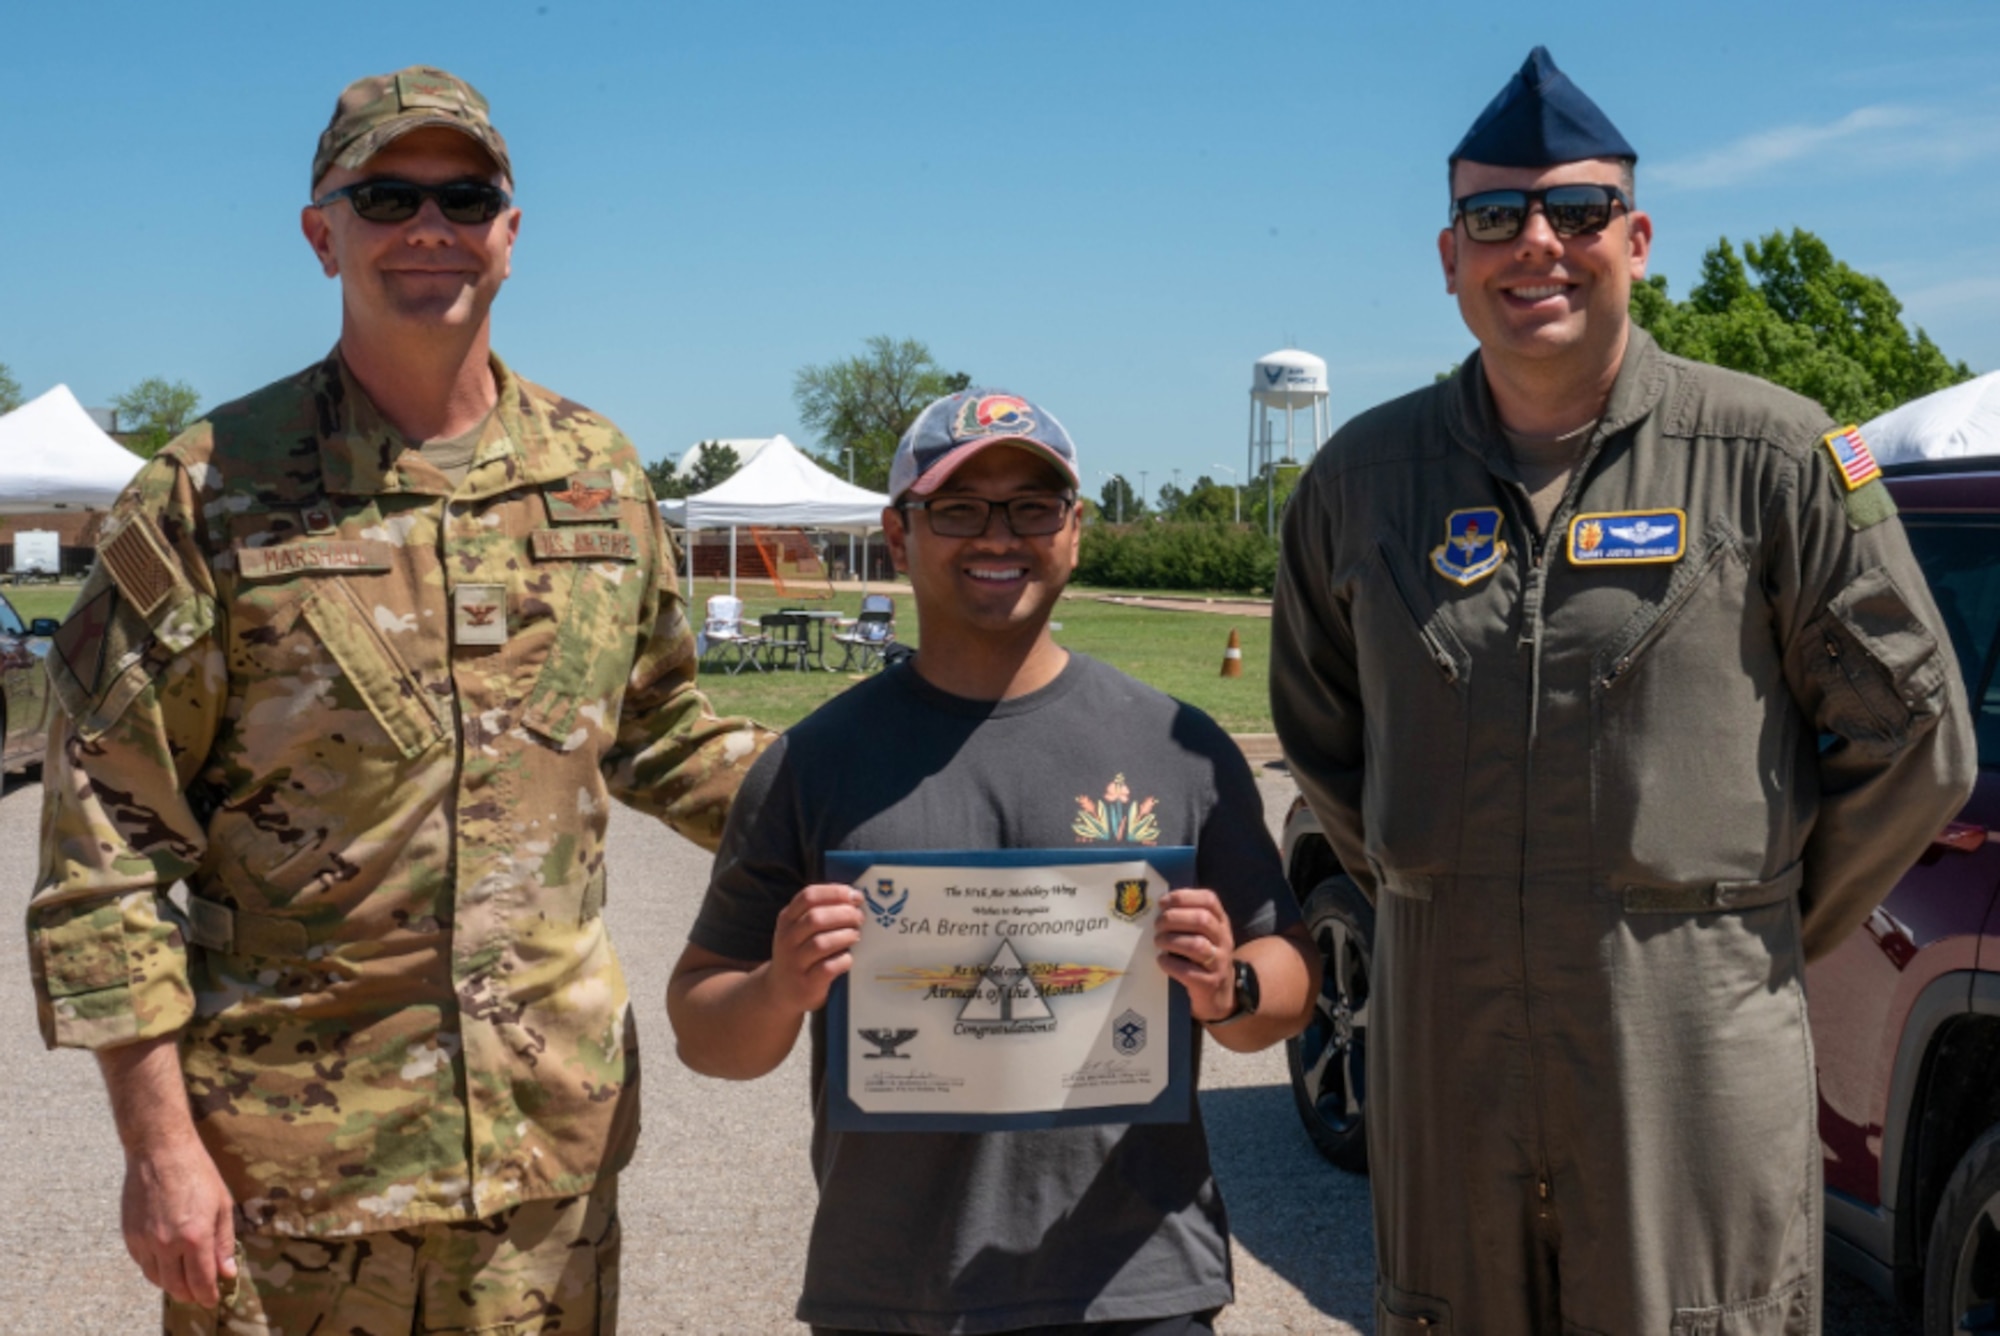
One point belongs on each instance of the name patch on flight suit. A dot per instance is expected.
(311, 555)
(479, 614)
(583, 545)
(1628, 538)
(589, 497)
(1473, 548)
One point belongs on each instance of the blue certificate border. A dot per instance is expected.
(1175, 862)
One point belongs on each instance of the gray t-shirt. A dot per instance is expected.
(984, 1232)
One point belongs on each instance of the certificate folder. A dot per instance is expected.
(1006, 990)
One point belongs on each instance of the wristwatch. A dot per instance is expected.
(1247, 995)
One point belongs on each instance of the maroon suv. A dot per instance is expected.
(1905, 1013)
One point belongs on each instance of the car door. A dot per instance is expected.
(26, 690)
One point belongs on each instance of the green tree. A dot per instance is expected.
(1208, 502)
(1788, 311)
(668, 485)
(713, 462)
(153, 412)
(859, 407)
(1119, 501)
(1172, 498)
(10, 390)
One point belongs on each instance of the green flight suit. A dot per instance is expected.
(1609, 792)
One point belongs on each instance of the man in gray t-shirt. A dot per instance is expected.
(994, 737)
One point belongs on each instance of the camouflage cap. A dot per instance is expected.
(373, 111)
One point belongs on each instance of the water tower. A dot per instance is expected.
(1285, 382)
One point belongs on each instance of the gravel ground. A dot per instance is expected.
(717, 1204)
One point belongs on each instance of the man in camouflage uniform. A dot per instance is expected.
(365, 657)
(1617, 688)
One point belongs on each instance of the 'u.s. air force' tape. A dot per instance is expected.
(1628, 538)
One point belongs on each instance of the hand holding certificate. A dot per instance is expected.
(1006, 990)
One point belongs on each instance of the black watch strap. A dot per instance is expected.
(1248, 994)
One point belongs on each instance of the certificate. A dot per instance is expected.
(1010, 989)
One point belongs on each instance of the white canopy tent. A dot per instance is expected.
(53, 457)
(1950, 424)
(781, 487)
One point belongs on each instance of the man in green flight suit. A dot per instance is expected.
(1615, 685)
(367, 654)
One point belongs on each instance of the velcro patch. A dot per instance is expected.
(583, 545)
(1628, 538)
(479, 614)
(1852, 458)
(314, 556)
(138, 561)
(584, 498)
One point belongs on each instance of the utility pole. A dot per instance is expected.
(1142, 487)
(1235, 489)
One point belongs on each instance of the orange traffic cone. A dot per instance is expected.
(1232, 658)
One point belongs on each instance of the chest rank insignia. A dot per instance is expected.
(589, 497)
(318, 520)
(1473, 548)
(1852, 457)
(479, 614)
(1628, 538)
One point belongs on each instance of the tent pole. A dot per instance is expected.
(732, 561)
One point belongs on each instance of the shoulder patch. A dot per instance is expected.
(1869, 505)
(136, 556)
(1852, 459)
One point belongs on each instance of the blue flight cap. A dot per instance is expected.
(1541, 119)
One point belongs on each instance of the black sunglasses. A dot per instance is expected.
(386, 200)
(1572, 211)
(968, 516)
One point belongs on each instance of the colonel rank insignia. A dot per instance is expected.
(1128, 899)
(1472, 547)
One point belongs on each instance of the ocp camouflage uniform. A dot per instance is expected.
(374, 724)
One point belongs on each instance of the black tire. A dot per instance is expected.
(1962, 1266)
(1329, 1060)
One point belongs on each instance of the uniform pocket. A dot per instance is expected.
(1400, 1312)
(82, 949)
(587, 663)
(1877, 664)
(372, 666)
(1784, 1312)
(1415, 676)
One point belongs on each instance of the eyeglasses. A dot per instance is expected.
(1572, 211)
(386, 200)
(968, 516)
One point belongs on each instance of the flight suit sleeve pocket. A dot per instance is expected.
(373, 667)
(1878, 664)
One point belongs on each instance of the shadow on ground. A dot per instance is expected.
(1311, 1223)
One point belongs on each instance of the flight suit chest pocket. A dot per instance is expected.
(1415, 674)
(371, 666)
(582, 681)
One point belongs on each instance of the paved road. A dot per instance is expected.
(717, 1204)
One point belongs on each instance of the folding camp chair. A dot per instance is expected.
(722, 632)
(787, 638)
(862, 644)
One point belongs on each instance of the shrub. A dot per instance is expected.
(1226, 557)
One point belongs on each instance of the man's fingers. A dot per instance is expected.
(225, 1242)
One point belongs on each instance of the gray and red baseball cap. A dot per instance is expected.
(957, 427)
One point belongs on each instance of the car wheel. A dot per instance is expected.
(1962, 1270)
(1329, 1059)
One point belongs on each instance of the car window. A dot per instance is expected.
(10, 621)
(1960, 555)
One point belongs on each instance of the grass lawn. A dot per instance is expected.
(1180, 653)
(42, 600)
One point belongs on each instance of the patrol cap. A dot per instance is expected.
(1541, 119)
(373, 111)
(957, 427)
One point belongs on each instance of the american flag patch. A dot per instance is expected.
(1852, 457)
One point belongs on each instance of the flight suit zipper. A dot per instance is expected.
(1668, 610)
(1433, 644)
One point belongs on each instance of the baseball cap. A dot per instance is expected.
(382, 107)
(957, 427)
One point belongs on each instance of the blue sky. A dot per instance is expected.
(1113, 208)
